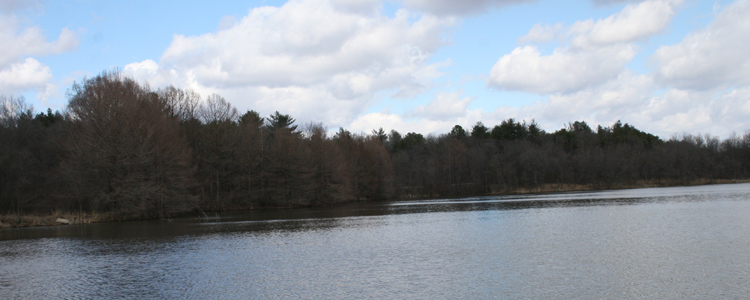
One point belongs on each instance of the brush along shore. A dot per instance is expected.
(59, 218)
(54, 219)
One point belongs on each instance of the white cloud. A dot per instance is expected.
(365, 7)
(445, 7)
(452, 7)
(731, 110)
(366, 123)
(330, 60)
(586, 78)
(314, 103)
(597, 51)
(309, 58)
(29, 74)
(226, 22)
(630, 98)
(703, 112)
(707, 78)
(19, 71)
(309, 103)
(437, 117)
(466, 7)
(150, 72)
(564, 71)
(304, 43)
(633, 23)
(624, 98)
(30, 41)
(713, 57)
(543, 33)
(445, 107)
(706, 75)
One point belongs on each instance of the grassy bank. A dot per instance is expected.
(29, 220)
(553, 188)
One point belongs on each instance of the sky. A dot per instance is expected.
(664, 66)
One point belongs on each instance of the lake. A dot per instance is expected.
(655, 243)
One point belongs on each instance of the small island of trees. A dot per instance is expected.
(125, 151)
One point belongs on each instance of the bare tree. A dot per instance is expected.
(180, 104)
(217, 110)
(215, 152)
(126, 155)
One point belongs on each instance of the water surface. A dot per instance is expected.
(674, 243)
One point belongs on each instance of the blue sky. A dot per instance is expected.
(665, 66)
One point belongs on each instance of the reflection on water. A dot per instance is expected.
(686, 242)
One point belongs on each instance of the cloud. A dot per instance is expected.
(596, 51)
(704, 112)
(330, 60)
(730, 110)
(364, 7)
(635, 22)
(311, 58)
(437, 117)
(458, 8)
(586, 78)
(543, 33)
(622, 98)
(708, 89)
(468, 7)
(226, 22)
(11, 6)
(310, 103)
(713, 57)
(366, 123)
(19, 70)
(446, 106)
(630, 98)
(446, 7)
(29, 74)
(564, 71)
(150, 72)
(305, 43)
(706, 75)
(30, 41)
(610, 2)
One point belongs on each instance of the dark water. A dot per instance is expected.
(664, 243)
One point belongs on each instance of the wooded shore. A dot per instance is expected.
(122, 151)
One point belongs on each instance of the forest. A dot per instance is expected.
(130, 152)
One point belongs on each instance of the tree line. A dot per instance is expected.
(520, 157)
(124, 149)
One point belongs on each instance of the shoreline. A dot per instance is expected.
(54, 219)
(561, 188)
(8, 221)
(566, 187)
